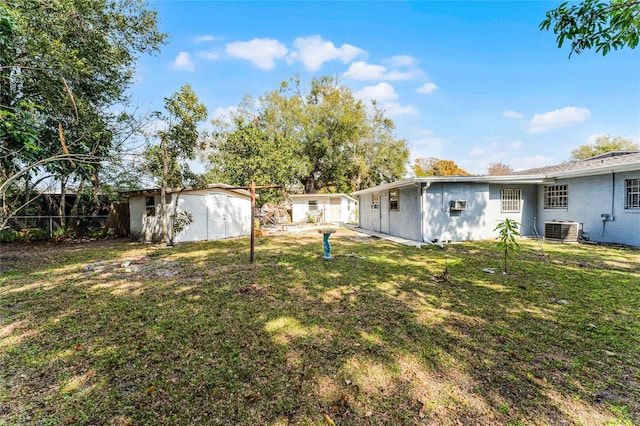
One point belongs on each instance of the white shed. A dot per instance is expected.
(323, 208)
(217, 211)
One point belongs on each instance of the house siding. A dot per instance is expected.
(588, 198)
(334, 209)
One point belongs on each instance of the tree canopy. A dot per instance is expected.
(433, 166)
(499, 169)
(602, 145)
(63, 65)
(595, 24)
(321, 138)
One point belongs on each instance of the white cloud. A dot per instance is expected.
(476, 152)
(513, 114)
(363, 71)
(208, 55)
(262, 52)
(558, 118)
(203, 38)
(386, 98)
(313, 51)
(401, 61)
(183, 62)
(525, 163)
(393, 109)
(381, 92)
(427, 88)
(516, 144)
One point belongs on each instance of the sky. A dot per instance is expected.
(474, 82)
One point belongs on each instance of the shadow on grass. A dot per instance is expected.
(196, 335)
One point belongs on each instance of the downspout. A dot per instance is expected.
(423, 195)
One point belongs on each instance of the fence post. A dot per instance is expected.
(50, 227)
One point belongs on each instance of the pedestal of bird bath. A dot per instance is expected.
(326, 233)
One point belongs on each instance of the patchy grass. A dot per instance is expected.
(130, 334)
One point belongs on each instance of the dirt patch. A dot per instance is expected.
(27, 255)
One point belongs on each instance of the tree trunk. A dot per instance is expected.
(95, 191)
(76, 203)
(62, 202)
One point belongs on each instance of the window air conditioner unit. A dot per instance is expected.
(562, 231)
(457, 205)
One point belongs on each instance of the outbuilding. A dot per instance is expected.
(323, 208)
(214, 213)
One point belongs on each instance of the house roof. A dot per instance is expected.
(155, 191)
(611, 162)
(615, 161)
(321, 196)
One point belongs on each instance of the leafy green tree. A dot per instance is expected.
(595, 24)
(602, 145)
(433, 166)
(178, 143)
(63, 66)
(249, 153)
(508, 231)
(332, 142)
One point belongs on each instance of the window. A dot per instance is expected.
(375, 201)
(632, 191)
(394, 199)
(510, 200)
(313, 205)
(150, 203)
(556, 197)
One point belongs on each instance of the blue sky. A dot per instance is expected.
(474, 82)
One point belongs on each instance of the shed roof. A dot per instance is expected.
(155, 191)
(321, 196)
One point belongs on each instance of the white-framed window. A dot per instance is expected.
(150, 205)
(313, 205)
(394, 199)
(510, 200)
(632, 193)
(556, 197)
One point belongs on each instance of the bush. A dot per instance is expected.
(9, 236)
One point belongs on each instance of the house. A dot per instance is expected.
(217, 212)
(596, 199)
(323, 208)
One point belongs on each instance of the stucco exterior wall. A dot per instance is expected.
(482, 213)
(216, 215)
(334, 209)
(588, 198)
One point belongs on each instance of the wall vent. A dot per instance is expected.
(457, 205)
(562, 231)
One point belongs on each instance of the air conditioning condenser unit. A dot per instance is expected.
(562, 231)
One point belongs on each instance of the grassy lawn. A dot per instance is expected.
(122, 333)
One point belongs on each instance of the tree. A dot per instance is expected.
(63, 66)
(508, 231)
(249, 153)
(603, 25)
(499, 169)
(602, 145)
(332, 142)
(177, 144)
(433, 166)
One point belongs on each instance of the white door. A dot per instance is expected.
(216, 223)
(384, 214)
(375, 213)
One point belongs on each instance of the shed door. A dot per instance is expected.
(375, 214)
(384, 214)
(216, 225)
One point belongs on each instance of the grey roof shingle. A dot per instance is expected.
(617, 158)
